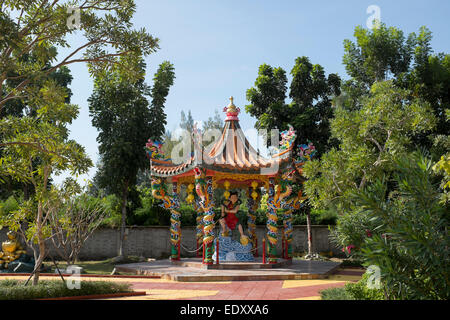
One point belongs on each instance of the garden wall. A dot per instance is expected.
(154, 241)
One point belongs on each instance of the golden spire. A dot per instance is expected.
(231, 107)
(232, 111)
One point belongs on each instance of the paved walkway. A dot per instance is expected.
(192, 270)
(161, 289)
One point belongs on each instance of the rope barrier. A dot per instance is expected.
(190, 251)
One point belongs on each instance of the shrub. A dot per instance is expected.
(15, 289)
(8, 206)
(360, 290)
(400, 227)
(411, 243)
(112, 204)
(353, 291)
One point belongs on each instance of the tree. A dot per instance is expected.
(22, 108)
(73, 220)
(31, 30)
(187, 122)
(384, 53)
(121, 112)
(214, 123)
(44, 137)
(370, 138)
(311, 107)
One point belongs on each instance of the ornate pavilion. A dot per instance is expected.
(231, 163)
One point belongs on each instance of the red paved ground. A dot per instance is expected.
(244, 290)
(160, 289)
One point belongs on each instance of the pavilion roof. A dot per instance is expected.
(232, 153)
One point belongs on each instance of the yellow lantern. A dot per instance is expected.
(227, 185)
(190, 198)
(254, 194)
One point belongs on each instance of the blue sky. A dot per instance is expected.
(216, 47)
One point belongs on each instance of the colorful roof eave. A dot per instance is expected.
(278, 162)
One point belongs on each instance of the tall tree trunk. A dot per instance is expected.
(308, 227)
(39, 258)
(26, 194)
(124, 216)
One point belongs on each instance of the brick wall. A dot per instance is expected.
(154, 241)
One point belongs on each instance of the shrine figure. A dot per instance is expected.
(230, 221)
(11, 249)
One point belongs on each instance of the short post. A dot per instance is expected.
(287, 250)
(264, 250)
(203, 258)
(217, 250)
(256, 247)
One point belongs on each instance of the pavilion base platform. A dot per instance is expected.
(192, 270)
(235, 265)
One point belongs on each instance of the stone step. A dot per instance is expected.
(257, 264)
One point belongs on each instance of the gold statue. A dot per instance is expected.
(11, 249)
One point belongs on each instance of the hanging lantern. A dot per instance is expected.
(254, 193)
(190, 198)
(226, 184)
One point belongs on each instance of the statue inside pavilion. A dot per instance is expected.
(231, 163)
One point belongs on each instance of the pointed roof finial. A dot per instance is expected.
(232, 111)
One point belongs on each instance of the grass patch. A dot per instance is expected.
(336, 294)
(15, 290)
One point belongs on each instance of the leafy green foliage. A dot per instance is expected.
(336, 294)
(310, 110)
(31, 31)
(34, 148)
(73, 218)
(8, 206)
(121, 112)
(15, 289)
(378, 54)
(361, 291)
(385, 53)
(411, 241)
(370, 139)
(353, 291)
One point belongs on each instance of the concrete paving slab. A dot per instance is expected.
(166, 269)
